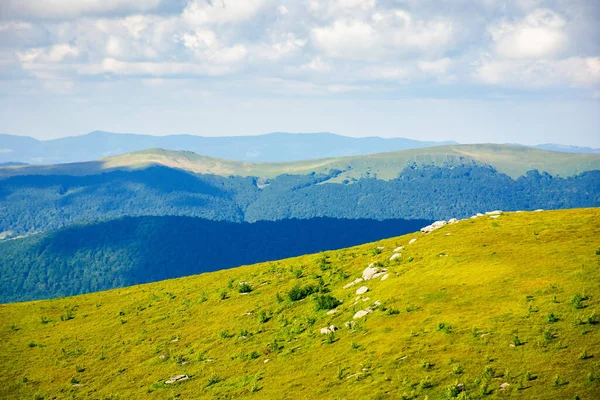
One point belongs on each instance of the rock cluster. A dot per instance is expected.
(177, 378)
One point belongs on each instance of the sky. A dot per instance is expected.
(498, 71)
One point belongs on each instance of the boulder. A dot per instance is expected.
(427, 229)
(370, 272)
(384, 277)
(361, 313)
(504, 386)
(380, 247)
(334, 311)
(438, 224)
(362, 290)
(329, 329)
(496, 212)
(412, 241)
(177, 378)
(452, 221)
(394, 256)
(399, 248)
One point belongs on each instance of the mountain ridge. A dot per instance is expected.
(514, 161)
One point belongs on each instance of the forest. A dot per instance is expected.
(31, 204)
(131, 250)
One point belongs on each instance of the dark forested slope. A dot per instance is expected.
(41, 203)
(130, 250)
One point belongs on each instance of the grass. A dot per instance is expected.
(457, 317)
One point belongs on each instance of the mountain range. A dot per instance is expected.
(429, 184)
(272, 147)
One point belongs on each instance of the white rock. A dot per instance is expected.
(539, 209)
(412, 241)
(452, 221)
(504, 386)
(177, 378)
(266, 360)
(384, 277)
(329, 329)
(377, 275)
(495, 212)
(479, 214)
(370, 271)
(399, 248)
(360, 314)
(394, 256)
(334, 311)
(438, 224)
(380, 247)
(494, 216)
(362, 290)
(474, 216)
(427, 229)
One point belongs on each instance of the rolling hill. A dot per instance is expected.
(513, 161)
(492, 307)
(278, 146)
(434, 183)
(128, 251)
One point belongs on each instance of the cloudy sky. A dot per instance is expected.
(524, 71)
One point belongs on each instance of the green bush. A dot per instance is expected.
(244, 288)
(298, 292)
(327, 302)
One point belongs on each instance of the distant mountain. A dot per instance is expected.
(567, 149)
(272, 147)
(130, 251)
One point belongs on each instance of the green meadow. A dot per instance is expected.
(505, 307)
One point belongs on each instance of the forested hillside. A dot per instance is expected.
(129, 251)
(41, 203)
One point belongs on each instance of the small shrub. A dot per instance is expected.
(427, 365)
(355, 346)
(74, 381)
(412, 308)
(264, 316)
(253, 355)
(68, 315)
(528, 376)
(593, 319)
(554, 300)
(458, 369)
(556, 381)
(598, 252)
(410, 259)
(392, 311)
(327, 302)
(244, 288)
(516, 341)
(213, 380)
(31, 344)
(584, 355)
(442, 326)
(551, 318)
(79, 368)
(44, 320)
(330, 338)
(226, 335)
(298, 292)
(223, 295)
(425, 383)
(577, 302)
(279, 298)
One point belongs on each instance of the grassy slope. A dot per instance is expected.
(511, 160)
(501, 277)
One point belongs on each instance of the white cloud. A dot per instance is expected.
(53, 54)
(540, 34)
(316, 65)
(66, 9)
(202, 12)
(436, 67)
(347, 39)
(576, 71)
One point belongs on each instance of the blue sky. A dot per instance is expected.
(472, 71)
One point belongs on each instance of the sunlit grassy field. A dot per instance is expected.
(464, 310)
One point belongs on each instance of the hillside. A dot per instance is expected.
(490, 307)
(514, 161)
(278, 146)
(128, 251)
(39, 203)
